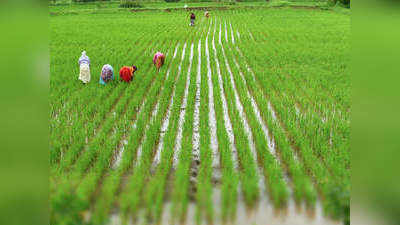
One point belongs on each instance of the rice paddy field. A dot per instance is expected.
(247, 122)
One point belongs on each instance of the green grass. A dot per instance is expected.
(292, 63)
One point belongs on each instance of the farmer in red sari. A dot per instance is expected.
(126, 73)
(158, 60)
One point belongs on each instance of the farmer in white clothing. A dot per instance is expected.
(84, 66)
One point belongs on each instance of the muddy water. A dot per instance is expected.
(226, 34)
(219, 38)
(263, 214)
(292, 215)
(211, 114)
(196, 120)
(196, 129)
(232, 35)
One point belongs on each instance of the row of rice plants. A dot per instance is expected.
(271, 167)
(247, 171)
(156, 187)
(204, 182)
(185, 150)
(133, 196)
(229, 178)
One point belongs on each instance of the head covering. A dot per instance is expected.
(84, 59)
(126, 73)
(107, 74)
(158, 59)
(158, 54)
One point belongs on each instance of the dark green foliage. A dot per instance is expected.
(130, 4)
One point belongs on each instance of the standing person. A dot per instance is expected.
(126, 73)
(192, 18)
(207, 14)
(158, 60)
(84, 67)
(107, 74)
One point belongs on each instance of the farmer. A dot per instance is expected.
(126, 73)
(207, 14)
(84, 67)
(158, 60)
(107, 74)
(192, 18)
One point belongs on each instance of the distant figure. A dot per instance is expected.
(192, 18)
(84, 67)
(107, 74)
(126, 73)
(158, 60)
(207, 14)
